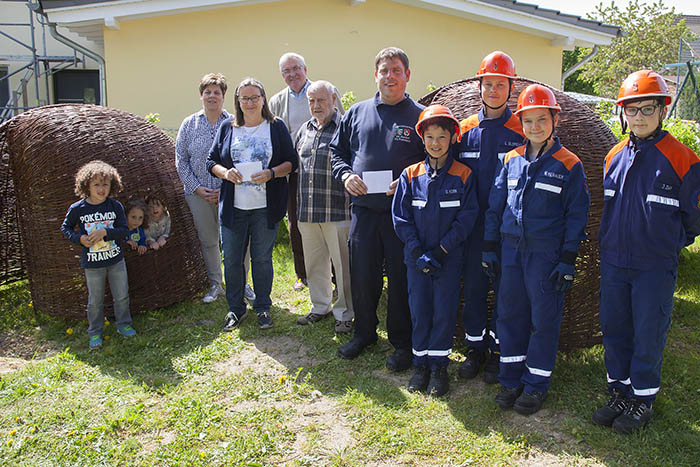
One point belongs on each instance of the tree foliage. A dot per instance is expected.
(652, 36)
(575, 82)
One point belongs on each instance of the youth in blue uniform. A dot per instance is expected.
(486, 138)
(652, 210)
(101, 228)
(434, 210)
(378, 135)
(538, 210)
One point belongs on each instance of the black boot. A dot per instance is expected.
(635, 417)
(354, 347)
(471, 366)
(606, 415)
(529, 402)
(400, 360)
(506, 396)
(419, 380)
(439, 382)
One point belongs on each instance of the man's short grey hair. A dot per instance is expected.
(321, 84)
(293, 55)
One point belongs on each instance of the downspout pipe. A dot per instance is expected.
(74, 45)
(578, 65)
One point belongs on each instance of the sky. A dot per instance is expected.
(581, 7)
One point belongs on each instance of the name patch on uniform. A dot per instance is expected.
(547, 187)
(469, 155)
(549, 174)
(449, 204)
(403, 133)
(418, 203)
(451, 191)
(662, 200)
(512, 182)
(609, 192)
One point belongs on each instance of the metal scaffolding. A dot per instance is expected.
(37, 66)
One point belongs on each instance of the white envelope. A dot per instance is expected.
(377, 181)
(248, 168)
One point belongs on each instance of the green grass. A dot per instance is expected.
(184, 393)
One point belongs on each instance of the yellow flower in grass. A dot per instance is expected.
(9, 442)
(202, 454)
(13, 432)
(106, 338)
(31, 304)
(69, 331)
(106, 322)
(283, 378)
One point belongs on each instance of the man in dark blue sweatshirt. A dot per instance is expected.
(375, 142)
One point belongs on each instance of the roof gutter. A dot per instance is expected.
(74, 45)
(578, 65)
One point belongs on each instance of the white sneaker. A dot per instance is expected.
(213, 293)
(249, 294)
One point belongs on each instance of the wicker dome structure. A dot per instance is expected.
(586, 135)
(40, 152)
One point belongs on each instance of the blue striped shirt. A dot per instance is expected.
(194, 139)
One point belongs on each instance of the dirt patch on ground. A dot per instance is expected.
(16, 350)
(10, 364)
(319, 423)
(270, 356)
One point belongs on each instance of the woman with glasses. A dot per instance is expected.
(252, 153)
(652, 210)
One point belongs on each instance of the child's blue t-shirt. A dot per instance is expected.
(137, 235)
(108, 215)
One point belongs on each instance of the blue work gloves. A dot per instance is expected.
(427, 264)
(563, 273)
(430, 261)
(490, 263)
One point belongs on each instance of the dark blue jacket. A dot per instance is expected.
(377, 136)
(539, 205)
(485, 142)
(276, 190)
(108, 215)
(652, 202)
(432, 209)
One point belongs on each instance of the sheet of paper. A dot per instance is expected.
(248, 168)
(377, 181)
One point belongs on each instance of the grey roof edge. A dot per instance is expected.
(529, 8)
(557, 15)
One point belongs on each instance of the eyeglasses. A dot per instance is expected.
(294, 69)
(253, 99)
(647, 110)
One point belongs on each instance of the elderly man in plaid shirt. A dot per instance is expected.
(323, 212)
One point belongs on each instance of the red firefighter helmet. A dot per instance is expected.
(497, 64)
(537, 96)
(643, 83)
(433, 112)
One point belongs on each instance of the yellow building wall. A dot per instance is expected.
(154, 64)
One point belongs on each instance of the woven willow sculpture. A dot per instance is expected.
(582, 132)
(41, 151)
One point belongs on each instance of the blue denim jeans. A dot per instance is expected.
(118, 284)
(249, 226)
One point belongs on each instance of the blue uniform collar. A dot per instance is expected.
(500, 121)
(555, 147)
(636, 143)
(442, 170)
